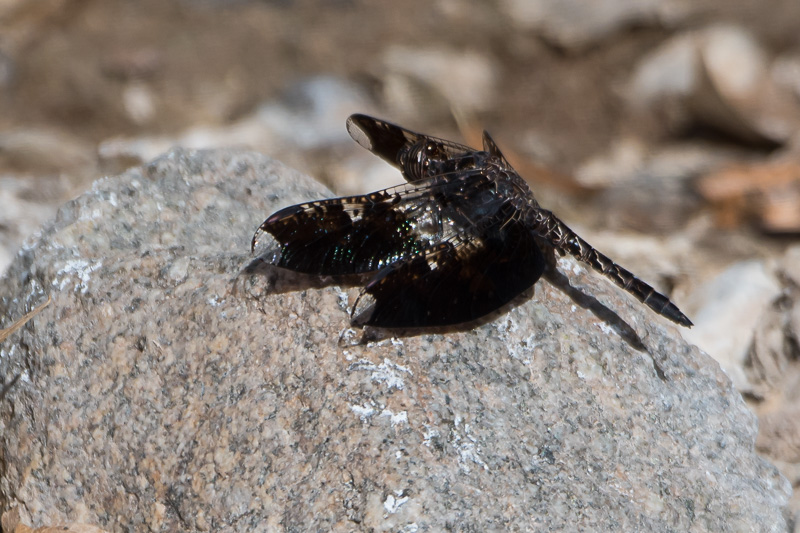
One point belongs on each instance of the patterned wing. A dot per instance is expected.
(359, 234)
(456, 281)
(403, 148)
(492, 149)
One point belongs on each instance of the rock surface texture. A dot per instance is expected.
(163, 390)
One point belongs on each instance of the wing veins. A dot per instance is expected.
(365, 233)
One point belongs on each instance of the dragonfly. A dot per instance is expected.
(459, 240)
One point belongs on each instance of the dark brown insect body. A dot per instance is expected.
(462, 238)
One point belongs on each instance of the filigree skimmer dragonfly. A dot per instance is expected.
(462, 238)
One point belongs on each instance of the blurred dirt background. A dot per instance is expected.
(664, 131)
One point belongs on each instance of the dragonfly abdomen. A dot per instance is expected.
(562, 238)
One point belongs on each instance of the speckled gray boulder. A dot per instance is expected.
(159, 393)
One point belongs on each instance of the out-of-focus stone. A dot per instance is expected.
(629, 160)
(310, 116)
(445, 78)
(576, 24)
(22, 21)
(779, 434)
(139, 102)
(27, 203)
(718, 76)
(773, 369)
(735, 92)
(769, 363)
(666, 73)
(790, 264)
(163, 390)
(732, 303)
(649, 189)
(44, 152)
(363, 173)
(312, 112)
(786, 73)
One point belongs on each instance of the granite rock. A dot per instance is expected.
(163, 389)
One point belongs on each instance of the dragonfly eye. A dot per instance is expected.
(435, 151)
(416, 161)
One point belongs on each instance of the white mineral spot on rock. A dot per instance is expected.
(395, 418)
(364, 412)
(77, 268)
(393, 503)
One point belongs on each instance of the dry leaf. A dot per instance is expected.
(4, 333)
(765, 193)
